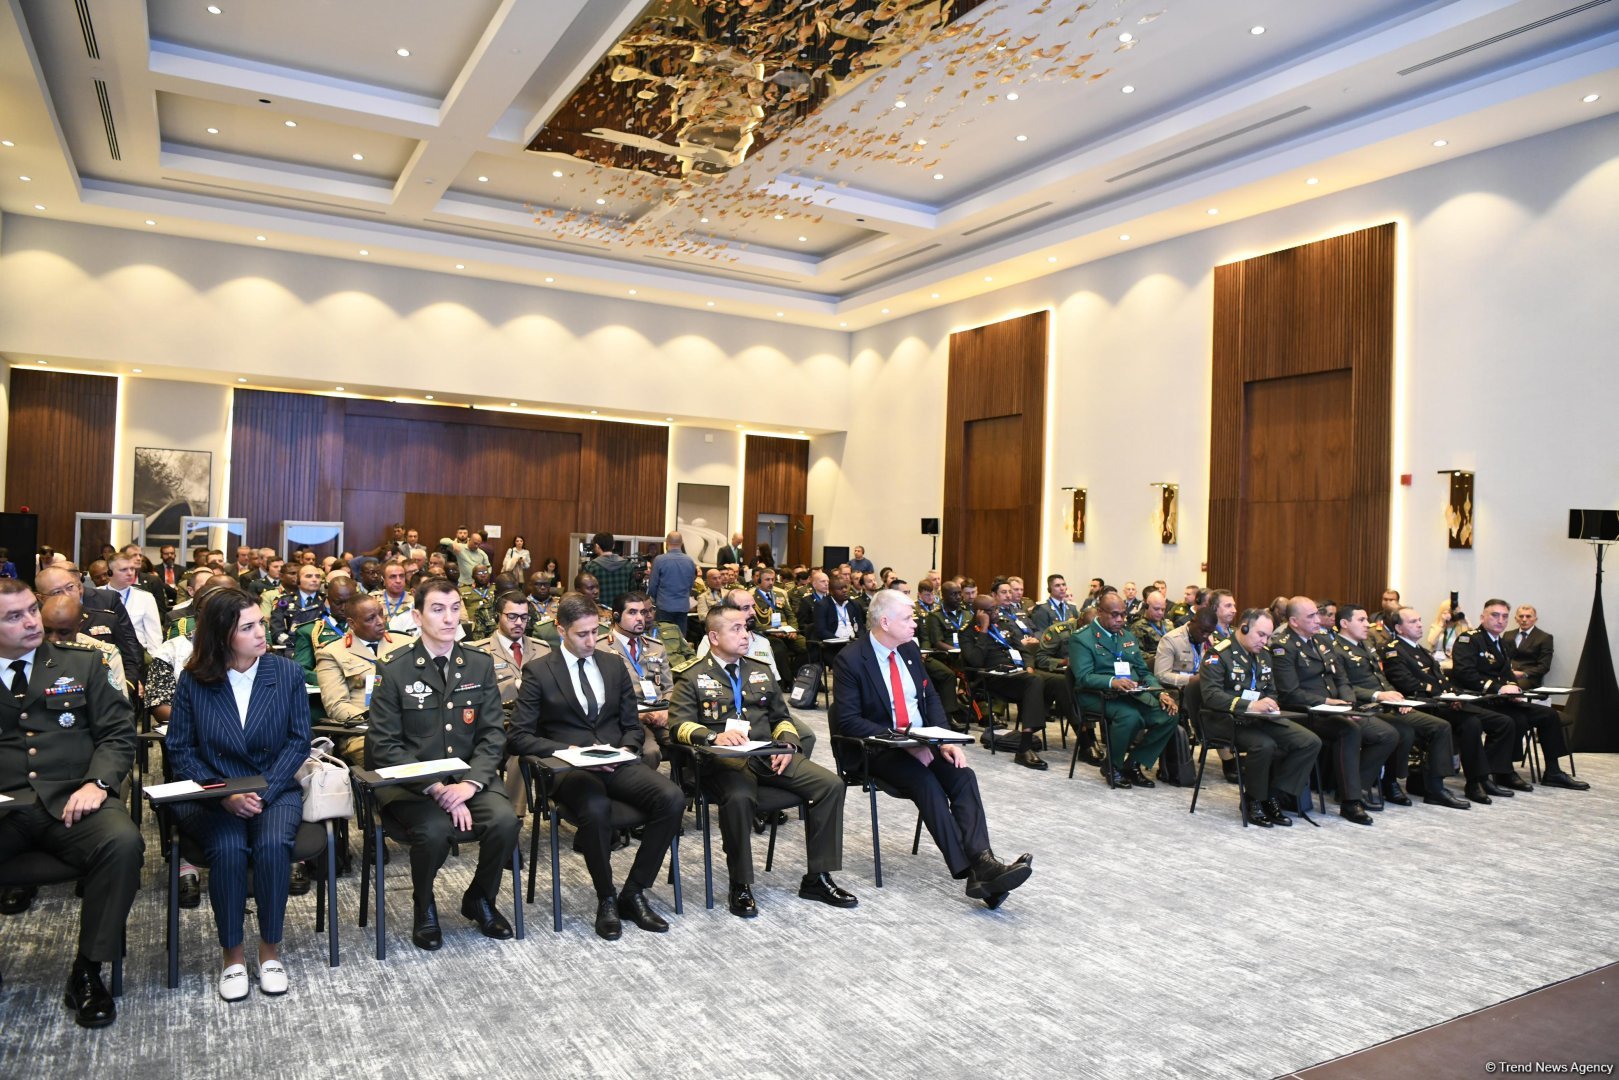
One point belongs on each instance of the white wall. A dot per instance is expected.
(1507, 368)
(175, 416)
(699, 455)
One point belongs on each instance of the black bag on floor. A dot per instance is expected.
(806, 687)
(1175, 765)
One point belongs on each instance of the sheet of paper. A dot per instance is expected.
(742, 748)
(1554, 689)
(575, 756)
(422, 768)
(1331, 708)
(5, 798)
(1451, 696)
(179, 787)
(942, 734)
(1402, 703)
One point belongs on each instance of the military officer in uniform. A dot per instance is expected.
(652, 678)
(310, 636)
(303, 604)
(939, 636)
(509, 645)
(1239, 696)
(726, 699)
(1365, 674)
(1058, 607)
(346, 670)
(1309, 673)
(1009, 675)
(775, 616)
(477, 603)
(437, 682)
(67, 741)
(1149, 627)
(1480, 665)
(1102, 657)
(395, 597)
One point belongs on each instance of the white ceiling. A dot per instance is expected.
(1218, 117)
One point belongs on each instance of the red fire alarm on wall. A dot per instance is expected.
(1405, 479)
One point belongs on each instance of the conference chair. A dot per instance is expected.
(37, 869)
(859, 775)
(774, 802)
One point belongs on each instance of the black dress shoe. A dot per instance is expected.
(607, 924)
(1515, 782)
(481, 910)
(87, 996)
(821, 887)
(1563, 780)
(1138, 778)
(1114, 777)
(742, 904)
(1395, 794)
(1445, 797)
(994, 901)
(1490, 787)
(300, 880)
(989, 876)
(1372, 799)
(190, 890)
(1255, 814)
(1029, 760)
(1353, 810)
(1274, 815)
(1476, 793)
(15, 899)
(632, 905)
(425, 933)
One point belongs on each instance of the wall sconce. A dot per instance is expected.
(1459, 512)
(1079, 513)
(1168, 512)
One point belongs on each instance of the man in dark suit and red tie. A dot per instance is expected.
(570, 698)
(880, 686)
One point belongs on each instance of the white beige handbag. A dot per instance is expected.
(325, 780)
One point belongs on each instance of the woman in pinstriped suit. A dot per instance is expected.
(239, 712)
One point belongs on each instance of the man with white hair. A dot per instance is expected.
(881, 689)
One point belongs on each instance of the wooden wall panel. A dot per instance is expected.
(775, 479)
(59, 452)
(991, 522)
(1292, 317)
(369, 463)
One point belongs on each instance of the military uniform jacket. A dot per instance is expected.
(944, 629)
(286, 616)
(1092, 652)
(477, 610)
(1307, 671)
(341, 668)
(1052, 655)
(1362, 668)
(1228, 671)
(1014, 623)
(507, 671)
(775, 602)
(705, 700)
(1148, 635)
(71, 728)
(652, 665)
(416, 716)
(1052, 611)
(1479, 663)
(980, 650)
(311, 637)
(1413, 670)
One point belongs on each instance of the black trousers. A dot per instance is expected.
(588, 797)
(1483, 740)
(947, 795)
(734, 785)
(1362, 746)
(1277, 754)
(1434, 735)
(430, 832)
(1545, 722)
(1023, 689)
(106, 846)
(943, 678)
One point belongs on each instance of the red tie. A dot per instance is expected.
(517, 652)
(902, 715)
(635, 650)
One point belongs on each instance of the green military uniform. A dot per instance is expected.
(478, 610)
(1278, 754)
(1148, 634)
(1052, 654)
(307, 640)
(71, 727)
(705, 699)
(939, 636)
(546, 630)
(1094, 656)
(677, 648)
(185, 626)
(1179, 613)
(1052, 611)
(417, 714)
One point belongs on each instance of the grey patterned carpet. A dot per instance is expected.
(1149, 942)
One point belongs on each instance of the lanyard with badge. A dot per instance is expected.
(1017, 657)
(1252, 693)
(390, 609)
(736, 723)
(1121, 666)
(648, 691)
(769, 599)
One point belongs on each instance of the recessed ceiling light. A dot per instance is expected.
(668, 419)
(7, 143)
(47, 362)
(39, 206)
(25, 179)
(601, 202)
(1256, 30)
(594, 412)
(149, 221)
(1588, 98)
(738, 427)
(632, 292)
(921, 142)
(938, 176)
(778, 217)
(1022, 138)
(337, 388)
(1213, 210)
(549, 280)
(241, 380)
(1051, 258)
(402, 52)
(801, 431)
(358, 157)
(988, 278)
(843, 324)
(290, 123)
(1441, 142)
(885, 311)
(260, 239)
(779, 314)
(935, 296)
(1127, 36)
(557, 173)
(460, 266)
(513, 404)
(429, 397)
(703, 220)
(213, 9)
(803, 239)
(1012, 96)
(711, 303)
(1127, 89)
(1313, 181)
(363, 251)
(899, 104)
(1124, 236)
(136, 370)
(483, 179)
(213, 131)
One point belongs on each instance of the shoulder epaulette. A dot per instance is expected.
(681, 669)
(1222, 644)
(77, 645)
(397, 655)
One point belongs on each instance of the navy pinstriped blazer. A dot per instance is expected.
(206, 738)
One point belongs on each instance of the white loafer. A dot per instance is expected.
(233, 982)
(272, 978)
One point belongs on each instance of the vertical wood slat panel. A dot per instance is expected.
(775, 479)
(1323, 307)
(59, 451)
(995, 371)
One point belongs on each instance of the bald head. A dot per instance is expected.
(60, 615)
(674, 542)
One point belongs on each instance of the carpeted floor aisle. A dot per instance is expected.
(1149, 942)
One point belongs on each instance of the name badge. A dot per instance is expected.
(1121, 669)
(775, 620)
(1250, 695)
(736, 723)
(649, 691)
(1017, 657)
(955, 640)
(370, 683)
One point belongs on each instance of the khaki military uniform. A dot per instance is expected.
(346, 672)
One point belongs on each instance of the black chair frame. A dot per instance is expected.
(860, 776)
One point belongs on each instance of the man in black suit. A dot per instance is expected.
(1529, 649)
(105, 618)
(1007, 672)
(569, 699)
(880, 687)
(838, 618)
(733, 552)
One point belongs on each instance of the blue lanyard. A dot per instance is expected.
(390, 609)
(1118, 651)
(843, 614)
(956, 621)
(1060, 608)
(1253, 675)
(1197, 656)
(769, 598)
(630, 656)
(736, 687)
(333, 624)
(996, 634)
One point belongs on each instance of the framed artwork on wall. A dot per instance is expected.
(170, 485)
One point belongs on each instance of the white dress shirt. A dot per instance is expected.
(143, 613)
(905, 680)
(241, 685)
(592, 672)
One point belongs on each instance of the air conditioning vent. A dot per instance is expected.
(1008, 217)
(1227, 137)
(87, 28)
(890, 262)
(1524, 29)
(105, 102)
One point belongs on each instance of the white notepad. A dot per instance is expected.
(420, 768)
